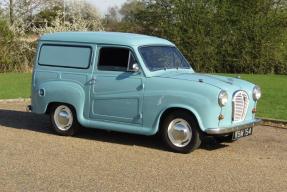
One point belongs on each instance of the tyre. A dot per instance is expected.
(223, 139)
(180, 132)
(64, 120)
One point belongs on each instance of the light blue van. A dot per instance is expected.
(137, 84)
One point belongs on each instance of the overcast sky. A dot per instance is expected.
(103, 5)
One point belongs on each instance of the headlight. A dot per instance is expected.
(256, 93)
(222, 98)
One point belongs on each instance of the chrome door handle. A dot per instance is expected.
(93, 80)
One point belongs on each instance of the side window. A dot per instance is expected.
(65, 56)
(115, 59)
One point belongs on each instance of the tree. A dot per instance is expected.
(124, 18)
(130, 9)
(112, 20)
(11, 12)
(235, 36)
(78, 16)
(18, 38)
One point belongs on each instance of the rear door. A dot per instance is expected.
(116, 93)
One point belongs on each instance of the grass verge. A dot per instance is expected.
(15, 85)
(273, 103)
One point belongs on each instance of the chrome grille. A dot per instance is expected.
(240, 105)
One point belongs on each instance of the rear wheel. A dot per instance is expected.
(64, 120)
(180, 132)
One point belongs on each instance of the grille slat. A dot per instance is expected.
(240, 105)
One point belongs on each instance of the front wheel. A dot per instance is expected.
(64, 120)
(180, 132)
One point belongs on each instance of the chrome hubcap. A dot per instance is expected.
(179, 132)
(63, 117)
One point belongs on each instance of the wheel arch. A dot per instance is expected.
(52, 104)
(59, 92)
(171, 109)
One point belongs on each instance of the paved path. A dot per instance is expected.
(32, 158)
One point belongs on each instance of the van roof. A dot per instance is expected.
(116, 38)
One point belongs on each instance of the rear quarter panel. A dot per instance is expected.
(61, 84)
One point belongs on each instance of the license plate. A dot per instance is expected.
(242, 133)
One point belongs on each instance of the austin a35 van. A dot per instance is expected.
(137, 84)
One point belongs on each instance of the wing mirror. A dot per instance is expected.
(135, 67)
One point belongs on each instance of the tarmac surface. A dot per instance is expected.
(33, 158)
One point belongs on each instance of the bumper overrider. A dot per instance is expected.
(231, 129)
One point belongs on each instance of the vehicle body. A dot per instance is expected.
(86, 72)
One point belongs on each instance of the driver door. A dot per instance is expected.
(117, 90)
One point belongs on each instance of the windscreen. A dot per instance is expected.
(163, 57)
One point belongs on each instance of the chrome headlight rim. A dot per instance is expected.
(222, 98)
(256, 93)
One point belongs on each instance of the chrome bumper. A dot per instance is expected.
(226, 130)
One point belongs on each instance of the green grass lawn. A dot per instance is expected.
(273, 103)
(15, 85)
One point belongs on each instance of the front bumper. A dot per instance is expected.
(226, 130)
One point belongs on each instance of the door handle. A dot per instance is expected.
(93, 80)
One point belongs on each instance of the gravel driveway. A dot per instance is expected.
(32, 158)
